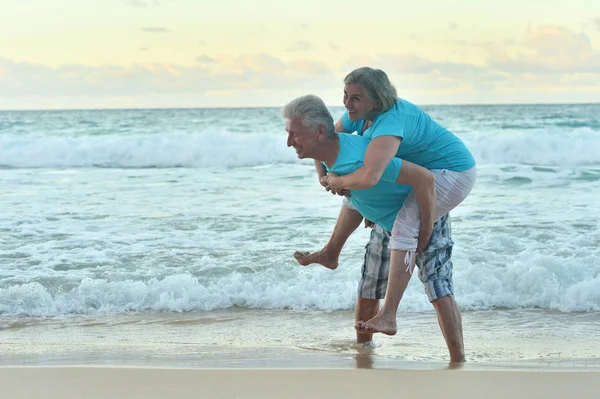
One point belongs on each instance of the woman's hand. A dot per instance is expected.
(424, 237)
(331, 182)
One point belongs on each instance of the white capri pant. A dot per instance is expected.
(347, 204)
(451, 189)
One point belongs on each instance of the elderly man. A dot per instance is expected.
(311, 132)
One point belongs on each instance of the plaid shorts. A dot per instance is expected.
(435, 264)
(376, 266)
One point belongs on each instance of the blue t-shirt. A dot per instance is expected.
(380, 203)
(424, 141)
(352, 126)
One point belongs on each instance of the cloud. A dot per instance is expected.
(453, 26)
(146, 3)
(548, 49)
(545, 59)
(143, 48)
(300, 46)
(416, 64)
(244, 72)
(484, 45)
(544, 62)
(206, 59)
(333, 47)
(155, 29)
(596, 22)
(413, 72)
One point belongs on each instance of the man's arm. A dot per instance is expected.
(339, 128)
(321, 172)
(320, 169)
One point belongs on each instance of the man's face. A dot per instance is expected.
(357, 102)
(303, 139)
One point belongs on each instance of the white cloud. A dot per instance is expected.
(155, 29)
(244, 72)
(300, 46)
(547, 63)
(146, 3)
(548, 58)
(205, 59)
(548, 49)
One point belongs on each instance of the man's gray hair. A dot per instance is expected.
(312, 111)
(377, 84)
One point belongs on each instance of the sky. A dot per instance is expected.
(65, 54)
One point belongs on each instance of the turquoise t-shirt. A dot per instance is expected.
(424, 141)
(380, 203)
(352, 126)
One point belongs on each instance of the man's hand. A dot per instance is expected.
(424, 237)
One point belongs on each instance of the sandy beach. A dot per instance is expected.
(113, 382)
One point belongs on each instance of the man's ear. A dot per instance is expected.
(321, 132)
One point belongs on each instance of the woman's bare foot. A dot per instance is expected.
(381, 323)
(321, 257)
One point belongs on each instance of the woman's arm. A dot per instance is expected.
(423, 184)
(339, 126)
(380, 151)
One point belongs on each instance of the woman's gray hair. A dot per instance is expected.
(377, 84)
(312, 111)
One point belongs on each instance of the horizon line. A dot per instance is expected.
(280, 106)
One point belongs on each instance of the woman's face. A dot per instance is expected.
(356, 101)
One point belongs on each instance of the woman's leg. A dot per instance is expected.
(451, 189)
(398, 279)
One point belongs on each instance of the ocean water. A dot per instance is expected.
(136, 234)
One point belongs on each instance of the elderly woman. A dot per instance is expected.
(398, 128)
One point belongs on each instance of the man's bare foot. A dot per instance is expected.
(378, 324)
(321, 257)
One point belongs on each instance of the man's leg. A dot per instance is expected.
(373, 282)
(365, 309)
(348, 220)
(450, 322)
(435, 271)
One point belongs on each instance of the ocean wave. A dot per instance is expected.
(580, 146)
(194, 150)
(220, 149)
(517, 287)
